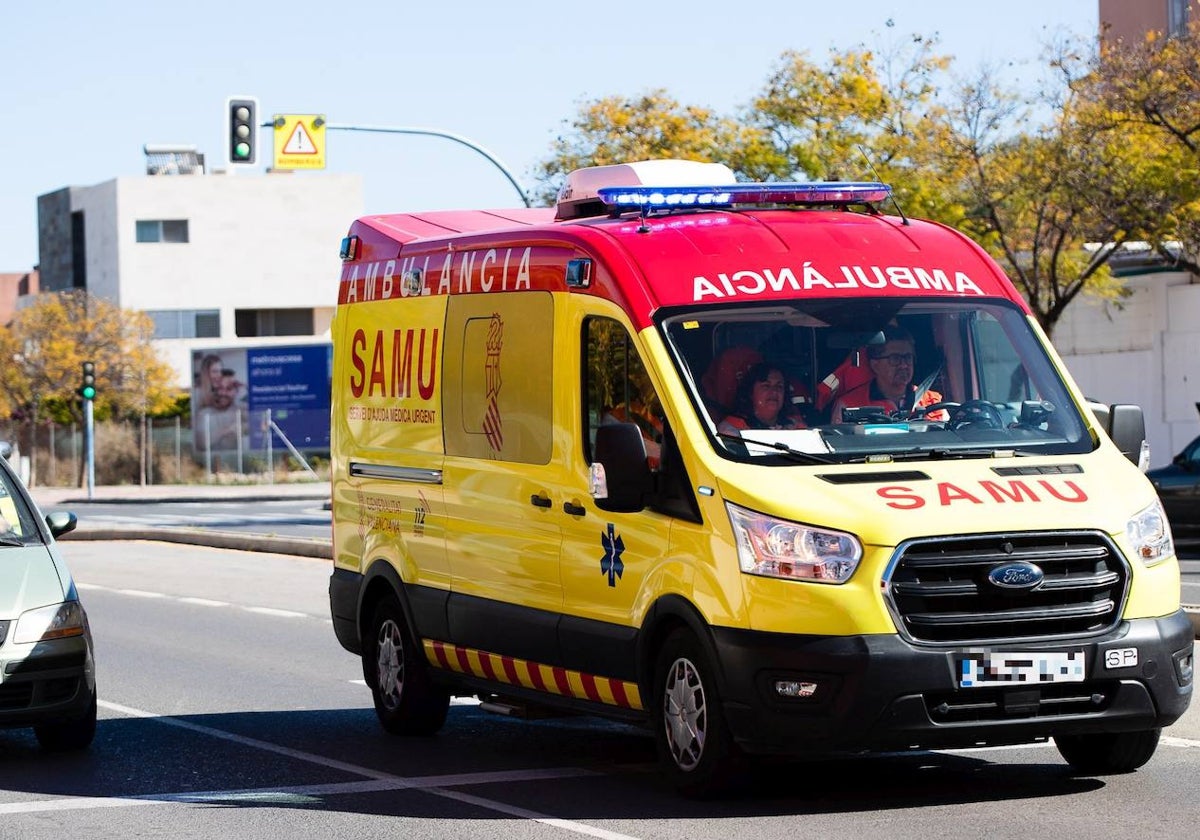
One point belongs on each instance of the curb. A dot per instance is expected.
(132, 500)
(298, 546)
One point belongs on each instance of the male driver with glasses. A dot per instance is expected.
(890, 387)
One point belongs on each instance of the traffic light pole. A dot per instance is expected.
(89, 447)
(433, 132)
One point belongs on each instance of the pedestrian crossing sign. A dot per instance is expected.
(299, 141)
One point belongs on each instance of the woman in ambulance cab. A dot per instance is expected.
(761, 402)
(890, 387)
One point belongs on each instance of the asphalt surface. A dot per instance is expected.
(60, 498)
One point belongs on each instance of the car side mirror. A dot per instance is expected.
(61, 522)
(1127, 428)
(620, 475)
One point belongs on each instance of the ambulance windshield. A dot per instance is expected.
(874, 380)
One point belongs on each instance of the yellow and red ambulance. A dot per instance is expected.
(536, 500)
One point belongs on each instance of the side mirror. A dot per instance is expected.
(1127, 428)
(621, 476)
(61, 522)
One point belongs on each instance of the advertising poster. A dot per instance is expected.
(294, 384)
(238, 394)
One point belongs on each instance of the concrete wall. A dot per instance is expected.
(1145, 351)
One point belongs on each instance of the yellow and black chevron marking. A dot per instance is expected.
(546, 678)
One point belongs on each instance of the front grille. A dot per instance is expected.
(939, 589)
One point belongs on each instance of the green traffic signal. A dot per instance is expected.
(87, 386)
(241, 123)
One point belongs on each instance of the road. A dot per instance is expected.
(291, 517)
(228, 709)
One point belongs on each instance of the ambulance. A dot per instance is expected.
(537, 501)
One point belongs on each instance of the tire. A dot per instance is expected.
(406, 701)
(1108, 752)
(695, 748)
(71, 734)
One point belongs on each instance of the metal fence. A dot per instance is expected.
(154, 451)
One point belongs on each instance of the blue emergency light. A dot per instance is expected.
(794, 193)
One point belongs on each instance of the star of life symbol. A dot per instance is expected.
(610, 563)
(493, 427)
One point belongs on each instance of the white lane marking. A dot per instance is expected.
(1166, 741)
(204, 602)
(275, 612)
(1172, 741)
(377, 781)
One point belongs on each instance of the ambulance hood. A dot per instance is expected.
(886, 505)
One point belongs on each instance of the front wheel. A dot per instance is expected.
(1108, 752)
(695, 748)
(406, 701)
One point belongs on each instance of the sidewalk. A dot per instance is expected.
(76, 500)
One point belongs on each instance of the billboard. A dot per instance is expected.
(242, 394)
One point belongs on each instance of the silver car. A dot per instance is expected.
(47, 670)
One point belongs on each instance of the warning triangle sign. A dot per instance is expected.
(299, 143)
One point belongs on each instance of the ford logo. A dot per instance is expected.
(1019, 575)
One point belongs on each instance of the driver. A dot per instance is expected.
(890, 387)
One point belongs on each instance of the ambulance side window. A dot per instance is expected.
(617, 388)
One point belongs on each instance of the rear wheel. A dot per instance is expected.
(406, 700)
(695, 748)
(1108, 752)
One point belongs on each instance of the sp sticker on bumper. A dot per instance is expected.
(1120, 658)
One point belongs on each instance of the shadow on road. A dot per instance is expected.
(572, 768)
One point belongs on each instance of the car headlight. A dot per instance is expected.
(53, 622)
(779, 548)
(1150, 535)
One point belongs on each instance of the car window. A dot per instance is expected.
(16, 515)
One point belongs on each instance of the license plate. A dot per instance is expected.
(995, 668)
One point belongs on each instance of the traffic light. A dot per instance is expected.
(242, 125)
(87, 385)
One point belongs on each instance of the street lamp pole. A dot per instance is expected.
(433, 132)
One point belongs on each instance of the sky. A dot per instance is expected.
(84, 86)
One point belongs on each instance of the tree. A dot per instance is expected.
(651, 126)
(1149, 92)
(46, 344)
(1051, 199)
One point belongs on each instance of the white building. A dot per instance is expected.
(217, 260)
(1145, 351)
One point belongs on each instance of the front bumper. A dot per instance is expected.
(53, 680)
(880, 692)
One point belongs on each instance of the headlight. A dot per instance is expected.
(778, 548)
(1150, 535)
(53, 622)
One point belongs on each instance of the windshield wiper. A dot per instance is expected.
(939, 453)
(10, 538)
(783, 449)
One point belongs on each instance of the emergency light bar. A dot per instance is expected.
(797, 193)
